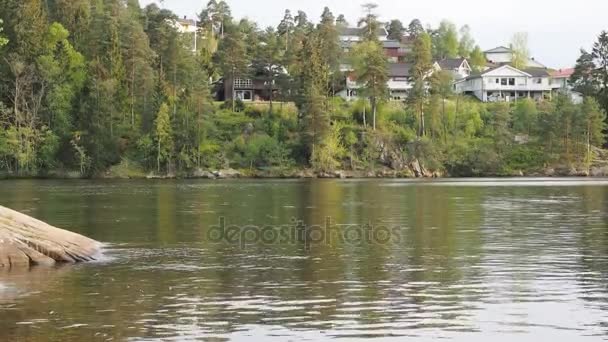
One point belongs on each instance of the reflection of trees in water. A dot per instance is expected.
(184, 283)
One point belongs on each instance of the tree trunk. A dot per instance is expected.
(158, 157)
(422, 126)
(233, 97)
(374, 108)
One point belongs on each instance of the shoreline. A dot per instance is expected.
(231, 174)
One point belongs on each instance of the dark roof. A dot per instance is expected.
(358, 31)
(537, 72)
(187, 21)
(391, 44)
(387, 44)
(399, 69)
(534, 72)
(450, 63)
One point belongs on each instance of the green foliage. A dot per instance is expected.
(445, 41)
(163, 136)
(371, 72)
(104, 86)
(519, 48)
(477, 59)
(467, 43)
(395, 30)
(3, 40)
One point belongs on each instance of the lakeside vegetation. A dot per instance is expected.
(105, 87)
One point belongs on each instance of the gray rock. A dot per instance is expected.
(200, 173)
(227, 174)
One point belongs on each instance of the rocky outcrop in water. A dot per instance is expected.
(25, 241)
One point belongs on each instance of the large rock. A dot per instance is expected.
(25, 241)
(227, 173)
(200, 173)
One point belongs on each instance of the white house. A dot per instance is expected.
(503, 55)
(186, 25)
(506, 83)
(353, 34)
(459, 67)
(560, 81)
(399, 83)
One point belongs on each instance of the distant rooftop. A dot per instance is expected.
(399, 69)
(563, 72)
(499, 49)
(186, 21)
(358, 31)
(451, 63)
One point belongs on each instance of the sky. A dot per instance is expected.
(557, 29)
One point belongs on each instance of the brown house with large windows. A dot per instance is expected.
(247, 89)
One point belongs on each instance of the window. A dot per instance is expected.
(538, 81)
(241, 83)
(511, 81)
(497, 80)
(503, 81)
(243, 95)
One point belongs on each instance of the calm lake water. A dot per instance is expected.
(492, 260)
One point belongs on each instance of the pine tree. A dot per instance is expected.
(286, 27)
(395, 30)
(232, 56)
(369, 24)
(600, 55)
(415, 28)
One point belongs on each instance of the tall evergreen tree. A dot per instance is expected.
(232, 56)
(415, 28)
(369, 23)
(395, 29)
(600, 55)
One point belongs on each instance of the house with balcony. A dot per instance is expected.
(394, 50)
(507, 83)
(399, 84)
(259, 83)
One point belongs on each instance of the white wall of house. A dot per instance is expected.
(505, 83)
(398, 87)
(507, 57)
(499, 57)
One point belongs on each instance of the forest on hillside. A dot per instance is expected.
(106, 87)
